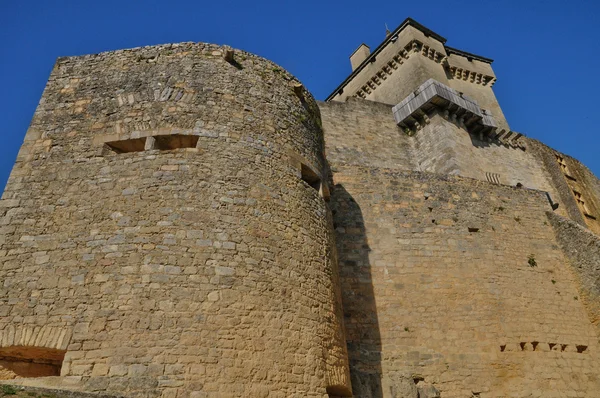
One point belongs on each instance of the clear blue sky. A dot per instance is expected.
(547, 52)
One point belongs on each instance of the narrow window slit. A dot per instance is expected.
(126, 146)
(311, 178)
(175, 141)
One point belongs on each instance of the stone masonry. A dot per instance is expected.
(162, 269)
(186, 220)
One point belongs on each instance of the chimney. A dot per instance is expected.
(359, 55)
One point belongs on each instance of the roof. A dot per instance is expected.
(451, 50)
(407, 22)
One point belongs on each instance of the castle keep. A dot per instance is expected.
(186, 220)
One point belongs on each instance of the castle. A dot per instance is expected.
(186, 220)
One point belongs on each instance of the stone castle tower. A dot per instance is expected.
(187, 221)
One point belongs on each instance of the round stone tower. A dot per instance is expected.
(165, 231)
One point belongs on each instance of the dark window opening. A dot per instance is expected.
(311, 178)
(582, 205)
(19, 361)
(338, 391)
(563, 167)
(125, 146)
(175, 141)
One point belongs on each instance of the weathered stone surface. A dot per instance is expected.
(427, 391)
(160, 266)
(436, 281)
(582, 249)
(166, 232)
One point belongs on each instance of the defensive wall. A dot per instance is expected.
(186, 220)
(582, 248)
(455, 282)
(459, 284)
(164, 231)
(363, 133)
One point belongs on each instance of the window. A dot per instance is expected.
(175, 141)
(21, 361)
(581, 203)
(563, 166)
(311, 178)
(160, 142)
(125, 146)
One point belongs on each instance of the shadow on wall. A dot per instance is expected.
(478, 143)
(360, 313)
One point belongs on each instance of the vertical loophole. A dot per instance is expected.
(311, 178)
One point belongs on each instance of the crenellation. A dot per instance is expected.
(473, 77)
(398, 60)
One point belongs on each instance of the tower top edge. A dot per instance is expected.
(392, 37)
(153, 47)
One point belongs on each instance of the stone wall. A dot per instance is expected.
(564, 195)
(41, 392)
(583, 181)
(569, 178)
(459, 285)
(165, 232)
(582, 249)
(464, 76)
(164, 227)
(444, 147)
(364, 133)
(449, 283)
